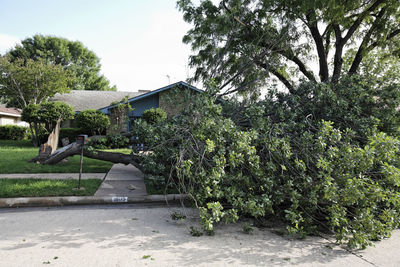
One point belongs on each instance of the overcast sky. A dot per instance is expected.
(139, 42)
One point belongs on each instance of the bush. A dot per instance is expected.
(12, 132)
(110, 141)
(92, 121)
(71, 133)
(117, 141)
(154, 115)
(98, 143)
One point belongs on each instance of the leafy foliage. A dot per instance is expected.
(73, 56)
(45, 115)
(111, 141)
(25, 82)
(154, 115)
(323, 159)
(119, 115)
(117, 141)
(12, 132)
(70, 133)
(92, 121)
(249, 43)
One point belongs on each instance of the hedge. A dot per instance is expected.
(12, 132)
(71, 133)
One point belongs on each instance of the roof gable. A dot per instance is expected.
(141, 96)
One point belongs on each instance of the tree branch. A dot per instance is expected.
(323, 63)
(287, 53)
(364, 44)
(338, 61)
(291, 56)
(275, 72)
(358, 21)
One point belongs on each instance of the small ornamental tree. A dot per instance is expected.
(119, 115)
(46, 115)
(154, 115)
(92, 121)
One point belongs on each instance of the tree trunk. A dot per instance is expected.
(52, 140)
(35, 141)
(75, 149)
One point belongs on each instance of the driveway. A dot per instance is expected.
(130, 235)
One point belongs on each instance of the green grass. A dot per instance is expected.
(46, 187)
(119, 150)
(15, 154)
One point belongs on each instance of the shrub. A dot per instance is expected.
(98, 143)
(92, 121)
(12, 132)
(117, 141)
(110, 141)
(71, 133)
(154, 115)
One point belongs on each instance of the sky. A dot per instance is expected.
(139, 42)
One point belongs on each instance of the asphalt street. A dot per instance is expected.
(145, 235)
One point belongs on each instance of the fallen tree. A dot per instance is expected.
(76, 149)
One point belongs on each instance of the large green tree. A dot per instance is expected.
(72, 55)
(244, 43)
(24, 82)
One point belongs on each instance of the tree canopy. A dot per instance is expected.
(244, 43)
(24, 82)
(83, 63)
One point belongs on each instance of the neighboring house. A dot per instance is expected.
(164, 98)
(11, 116)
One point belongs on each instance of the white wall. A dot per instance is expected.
(5, 120)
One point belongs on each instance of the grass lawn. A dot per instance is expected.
(118, 150)
(46, 187)
(15, 154)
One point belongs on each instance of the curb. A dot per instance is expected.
(87, 200)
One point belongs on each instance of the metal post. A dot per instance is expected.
(80, 171)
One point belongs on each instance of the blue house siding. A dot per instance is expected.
(143, 104)
(148, 100)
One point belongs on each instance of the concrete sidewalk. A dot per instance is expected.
(122, 181)
(122, 184)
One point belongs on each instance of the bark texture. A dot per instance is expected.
(75, 149)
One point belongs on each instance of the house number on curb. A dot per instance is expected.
(119, 199)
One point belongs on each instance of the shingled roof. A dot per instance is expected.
(82, 100)
(14, 112)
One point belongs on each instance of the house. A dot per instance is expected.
(81, 100)
(169, 98)
(11, 116)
